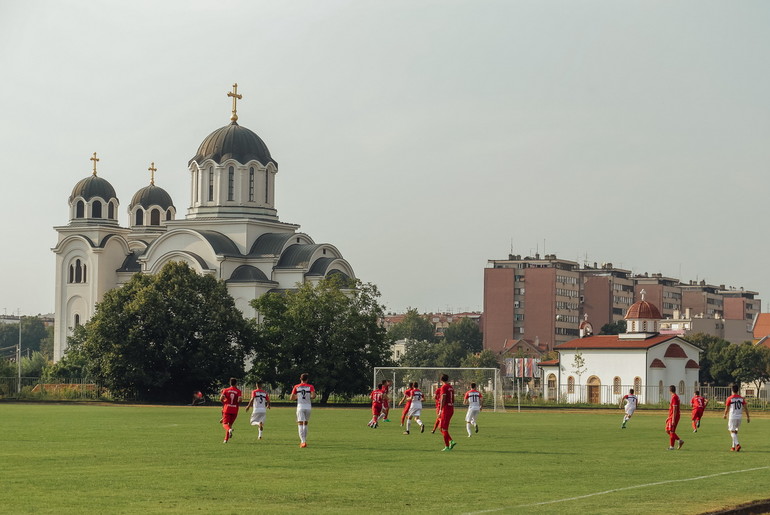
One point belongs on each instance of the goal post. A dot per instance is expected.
(487, 381)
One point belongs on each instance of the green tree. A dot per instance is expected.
(752, 364)
(467, 332)
(419, 354)
(717, 361)
(330, 330)
(618, 327)
(579, 365)
(483, 359)
(414, 327)
(33, 331)
(163, 336)
(33, 365)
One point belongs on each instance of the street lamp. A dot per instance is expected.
(18, 356)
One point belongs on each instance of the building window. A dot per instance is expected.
(616, 385)
(660, 390)
(230, 183)
(267, 186)
(637, 385)
(111, 210)
(80, 208)
(155, 217)
(251, 184)
(139, 217)
(96, 209)
(570, 384)
(77, 320)
(168, 215)
(77, 272)
(211, 184)
(681, 387)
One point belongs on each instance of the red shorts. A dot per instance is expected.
(406, 407)
(697, 413)
(446, 416)
(671, 425)
(229, 418)
(376, 409)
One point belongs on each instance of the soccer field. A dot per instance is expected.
(62, 458)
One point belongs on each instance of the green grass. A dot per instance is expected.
(63, 458)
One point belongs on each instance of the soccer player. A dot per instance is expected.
(473, 399)
(260, 399)
(376, 396)
(437, 398)
(231, 401)
(303, 393)
(673, 419)
(735, 406)
(447, 403)
(698, 405)
(406, 397)
(415, 408)
(385, 400)
(631, 402)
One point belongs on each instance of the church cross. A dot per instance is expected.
(236, 97)
(94, 159)
(152, 170)
(642, 293)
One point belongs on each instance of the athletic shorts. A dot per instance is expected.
(376, 409)
(257, 417)
(671, 425)
(414, 410)
(471, 415)
(229, 418)
(697, 414)
(630, 412)
(733, 424)
(446, 417)
(303, 415)
(407, 407)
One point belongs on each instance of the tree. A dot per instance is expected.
(330, 330)
(419, 354)
(33, 331)
(717, 361)
(752, 364)
(483, 359)
(33, 366)
(163, 336)
(414, 327)
(618, 327)
(465, 331)
(579, 365)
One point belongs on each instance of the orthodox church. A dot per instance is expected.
(231, 231)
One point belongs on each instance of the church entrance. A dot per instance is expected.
(594, 390)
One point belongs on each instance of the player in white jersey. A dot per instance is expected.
(303, 393)
(415, 409)
(473, 399)
(735, 406)
(631, 402)
(260, 399)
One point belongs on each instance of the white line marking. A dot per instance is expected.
(657, 483)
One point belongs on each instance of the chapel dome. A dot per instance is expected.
(151, 196)
(643, 310)
(233, 142)
(91, 187)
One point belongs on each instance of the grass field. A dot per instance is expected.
(73, 458)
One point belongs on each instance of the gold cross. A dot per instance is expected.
(152, 170)
(236, 97)
(94, 159)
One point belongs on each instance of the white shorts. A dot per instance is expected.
(733, 424)
(303, 415)
(257, 417)
(414, 411)
(471, 415)
(630, 412)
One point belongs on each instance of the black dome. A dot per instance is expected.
(151, 196)
(93, 186)
(233, 142)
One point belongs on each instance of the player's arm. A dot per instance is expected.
(251, 401)
(465, 399)
(312, 392)
(727, 408)
(746, 409)
(705, 402)
(222, 397)
(481, 402)
(293, 394)
(267, 401)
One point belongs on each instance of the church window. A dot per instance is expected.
(211, 184)
(681, 388)
(637, 384)
(78, 272)
(80, 208)
(72, 274)
(660, 389)
(139, 217)
(84, 272)
(616, 385)
(644, 326)
(168, 215)
(77, 320)
(251, 184)
(230, 183)
(155, 217)
(111, 210)
(267, 186)
(570, 384)
(96, 209)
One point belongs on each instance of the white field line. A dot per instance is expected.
(657, 483)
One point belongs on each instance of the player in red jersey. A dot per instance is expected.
(673, 419)
(376, 396)
(437, 398)
(231, 401)
(303, 393)
(735, 406)
(260, 399)
(698, 405)
(447, 400)
(408, 398)
(385, 400)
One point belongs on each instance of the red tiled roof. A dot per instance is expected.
(549, 363)
(762, 326)
(675, 351)
(656, 363)
(692, 364)
(612, 341)
(643, 310)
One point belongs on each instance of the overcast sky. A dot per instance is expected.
(421, 138)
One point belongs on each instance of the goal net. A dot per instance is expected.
(428, 378)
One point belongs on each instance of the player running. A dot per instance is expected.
(303, 393)
(735, 406)
(447, 403)
(376, 396)
(437, 398)
(385, 400)
(673, 419)
(631, 403)
(473, 399)
(698, 404)
(406, 397)
(415, 408)
(231, 402)
(260, 399)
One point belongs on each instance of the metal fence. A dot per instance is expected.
(34, 388)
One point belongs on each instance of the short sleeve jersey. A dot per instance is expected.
(736, 404)
(303, 392)
(417, 397)
(673, 407)
(232, 399)
(260, 398)
(407, 395)
(447, 396)
(631, 401)
(376, 396)
(698, 402)
(474, 399)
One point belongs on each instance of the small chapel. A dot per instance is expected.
(231, 231)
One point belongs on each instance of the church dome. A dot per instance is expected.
(643, 310)
(233, 142)
(91, 187)
(151, 196)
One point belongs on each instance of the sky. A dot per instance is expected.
(422, 139)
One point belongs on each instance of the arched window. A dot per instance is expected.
(230, 183)
(681, 388)
(660, 390)
(85, 277)
(139, 217)
(267, 186)
(72, 274)
(155, 217)
(644, 326)
(570, 384)
(616, 385)
(168, 215)
(77, 320)
(637, 384)
(80, 209)
(96, 209)
(251, 184)
(111, 210)
(78, 272)
(211, 184)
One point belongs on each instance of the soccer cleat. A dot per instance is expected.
(229, 433)
(681, 443)
(694, 430)
(446, 449)
(477, 428)
(670, 448)
(452, 444)
(303, 445)
(406, 432)
(698, 424)
(732, 449)
(422, 428)
(738, 448)
(387, 420)
(375, 426)
(225, 441)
